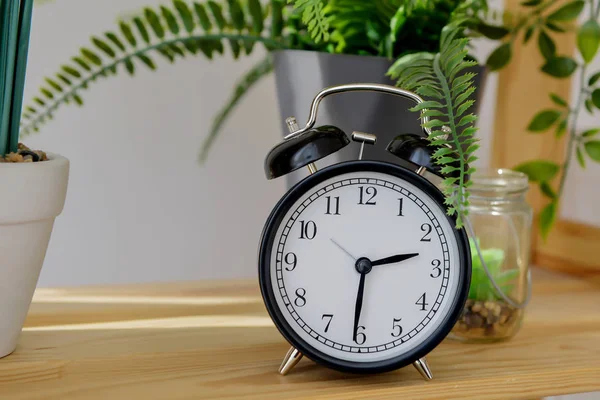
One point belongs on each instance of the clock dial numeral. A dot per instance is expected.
(396, 328)
(336, 206)
(422, 302)
(360, 337)
(308, 230)
(329, 317)
(300, 300)
(437, 270)
(401, 203)
(291, 260)
(369, 191)
(427, 229)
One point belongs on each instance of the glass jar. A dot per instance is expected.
(499, 224)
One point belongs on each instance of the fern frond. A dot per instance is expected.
(260, 70)
(442, 80)
(313, 16)
(171, 32)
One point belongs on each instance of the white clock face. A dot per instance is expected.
(365, 266)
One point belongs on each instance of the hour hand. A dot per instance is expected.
(393, 259)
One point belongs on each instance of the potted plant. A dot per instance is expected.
(34, 183)
(311, 44)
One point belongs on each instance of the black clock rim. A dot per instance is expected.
(264, 264)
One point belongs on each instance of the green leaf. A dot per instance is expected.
(276, 18)
(558, 100)
(129, 66)
(102, 45)
(546, 45)
(71, 71)
(147, 60)
(217, 13)
(139, 24)
(560, 67)
(54, 85)
(171, 20)
(186, 15)
(592, 148)
(596, 97)
(529, 33)
(593, 79)
(115, 40)
(128, 33)
(91, 56)
(78, 99)
(154, 22)
(561, 128)
(82, 63)
(63, 78)
(547, 190)
(237, 14)
(543, 120)
(580, 157)
(555, 27)
(588, 40)
(47, 93)
(590, 132)
(589, 106)
(567, 12)
(539, 170)
(200, 11)
(491, 31)
(531, 3)
(256, 13)
(499, 57)
(547, 218)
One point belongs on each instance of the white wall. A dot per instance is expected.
(139, 207)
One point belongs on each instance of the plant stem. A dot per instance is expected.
(572, 132)
(26, 128)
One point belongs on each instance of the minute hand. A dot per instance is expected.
(393, 259)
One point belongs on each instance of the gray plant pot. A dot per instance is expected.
(300, 75)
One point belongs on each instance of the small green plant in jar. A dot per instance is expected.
(486, 315)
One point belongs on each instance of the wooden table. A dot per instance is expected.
(215, 340)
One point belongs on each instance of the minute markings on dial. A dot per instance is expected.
(405, 194)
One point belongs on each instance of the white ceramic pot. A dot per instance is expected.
(33, 194)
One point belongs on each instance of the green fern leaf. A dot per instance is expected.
(64, 79)
(147, 61)
(442, 76)
(115, 40)
(263, 68)
(47, 93)
(83, 64)
(185, 14)
(71, 71)
(217, 13)
(170, 19)
(128, 33)
(141, 27)
(256, 12)
(203, 17)
(237, 14)
(276, 18)
(313, 16)
(129, 66)
(91, 56)
(102, 45)
(154, 22)
(54, 85)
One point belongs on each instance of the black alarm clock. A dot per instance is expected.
(360, 267)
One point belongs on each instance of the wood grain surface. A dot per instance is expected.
(214, 340)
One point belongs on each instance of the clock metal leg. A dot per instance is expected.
(292, 358)
(423, 368)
